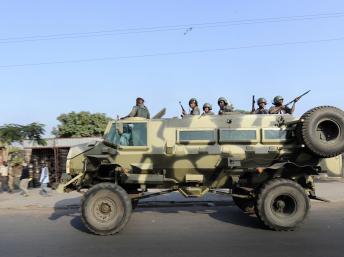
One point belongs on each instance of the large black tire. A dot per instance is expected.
(282, 204)
(105, 209)
(247, 205)
(322, 131)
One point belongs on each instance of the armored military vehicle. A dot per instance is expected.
(266, 163)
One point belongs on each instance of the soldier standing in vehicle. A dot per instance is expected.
(225, 106)
(280, 108)
(261, 107)
(139, 110)
(193, 104)
(207, 109)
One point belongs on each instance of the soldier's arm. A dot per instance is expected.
(148, 114)
(294, 105)
(131, 114)
(292, 110)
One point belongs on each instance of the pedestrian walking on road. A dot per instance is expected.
(44, 180)
(4, 176)
(11, 177)
(24, 180)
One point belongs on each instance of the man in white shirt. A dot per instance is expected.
(44, 180)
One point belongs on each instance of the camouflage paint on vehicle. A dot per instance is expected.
(251, 155)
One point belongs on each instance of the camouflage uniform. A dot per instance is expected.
(261, 110)
(195, 111)
(139, 111)
(228, 108)
(210, 112)
(279, 109)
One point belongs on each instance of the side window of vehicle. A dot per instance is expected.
(238, 136)
(196, 136)
(277, 135)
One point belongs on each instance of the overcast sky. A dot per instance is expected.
(304, 52)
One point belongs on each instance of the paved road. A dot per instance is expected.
(178, 231)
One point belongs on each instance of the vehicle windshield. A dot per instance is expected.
(132, 134)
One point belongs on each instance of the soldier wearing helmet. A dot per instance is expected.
(194, 110)
(280, 108)
(207, 109)
(225, 106)
(261, 107)
(139, 110)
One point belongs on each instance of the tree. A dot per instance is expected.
(81, 124)
(10, 133)
(15, 155)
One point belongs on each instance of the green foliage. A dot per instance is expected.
(81, 124)
(15, 155)
(10, 133)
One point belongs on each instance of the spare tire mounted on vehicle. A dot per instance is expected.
(322, 131)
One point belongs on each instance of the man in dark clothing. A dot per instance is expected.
(261, 107)
(24, 180)
(280, 108)
(139, 110)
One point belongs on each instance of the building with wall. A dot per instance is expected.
(54, 153)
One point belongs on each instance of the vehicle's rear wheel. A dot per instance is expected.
(245, 202)
(282, 204)
(106, 209)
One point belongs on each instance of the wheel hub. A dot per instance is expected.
(280, 205)
(284, 205)
(104, 210)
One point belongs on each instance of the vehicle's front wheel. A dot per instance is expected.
(282, 204)
(106, 209)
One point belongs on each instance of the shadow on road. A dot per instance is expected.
(228, 213)
(67, 207)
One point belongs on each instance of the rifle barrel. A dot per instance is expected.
(298, 97)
